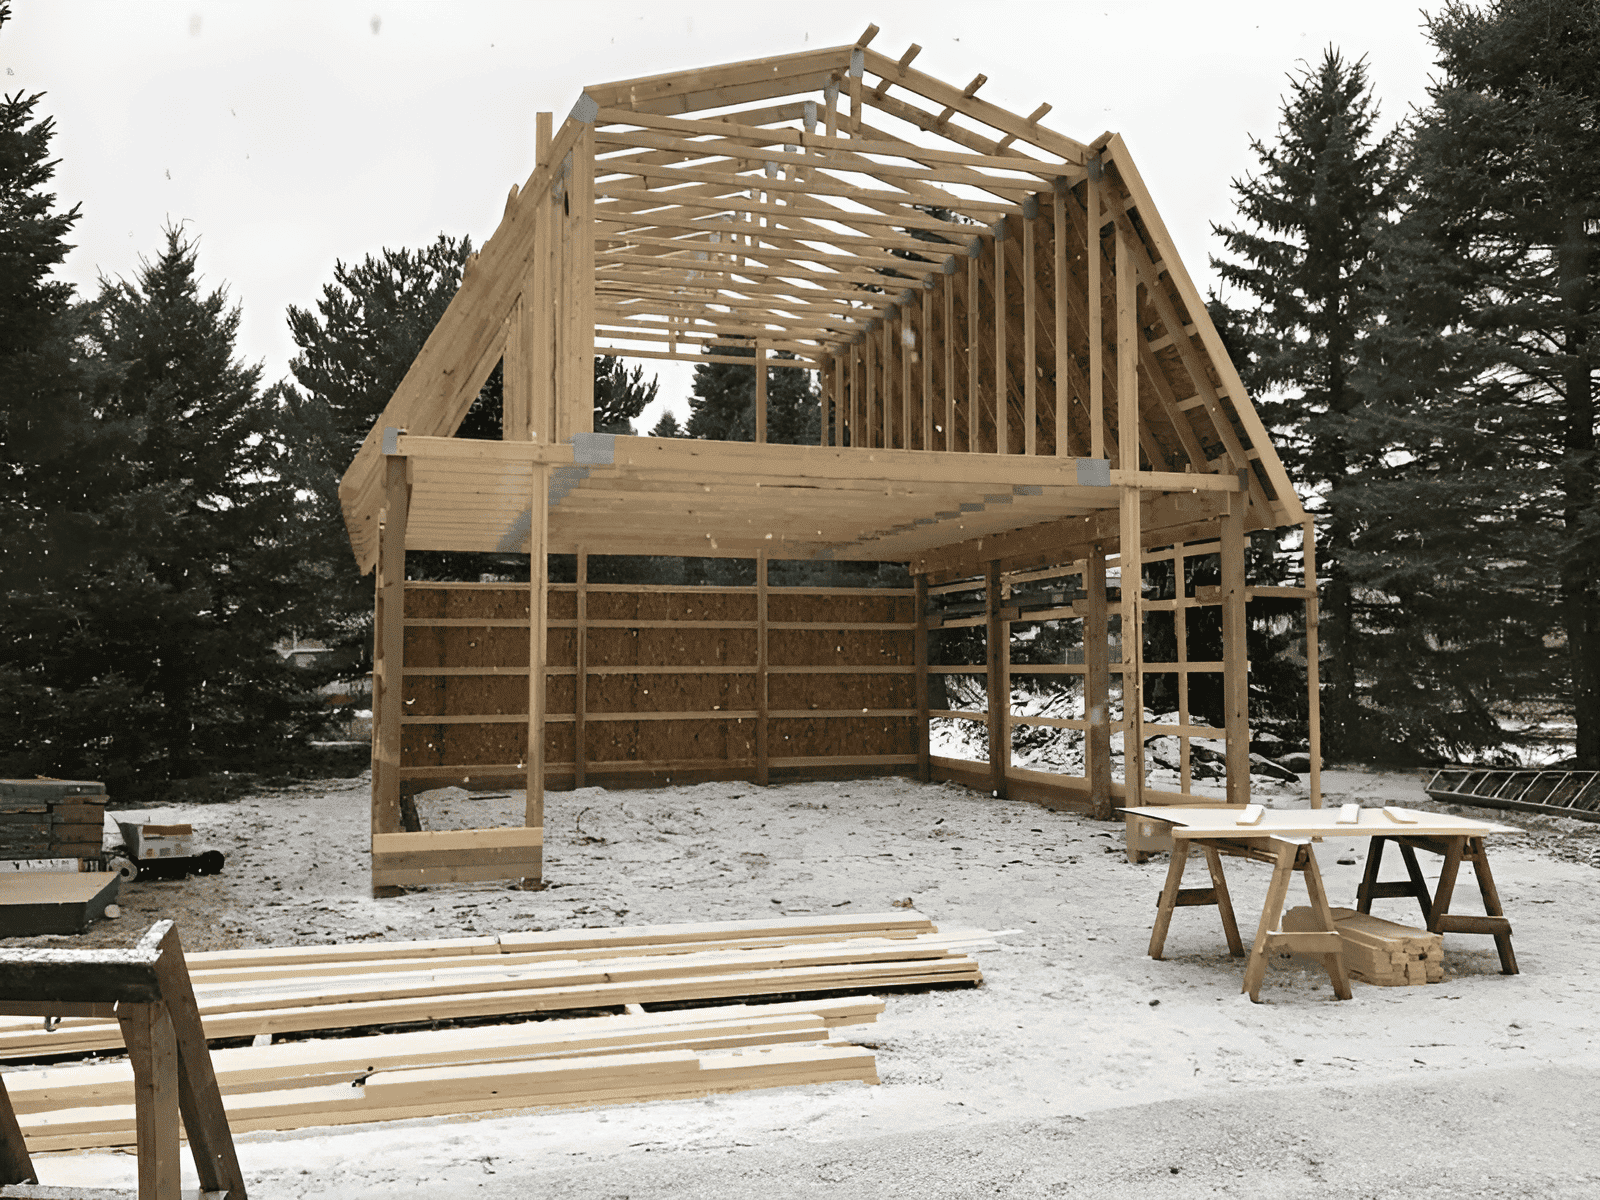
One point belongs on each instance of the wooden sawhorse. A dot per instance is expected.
(1436, 908)
(1287, 855)
(147, 990)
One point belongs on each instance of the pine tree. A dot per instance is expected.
(1495, 346)
(722, 401)
(154, 659)
(1306, 256)
(668, 427)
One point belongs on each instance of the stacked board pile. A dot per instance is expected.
(636, 1055)
(51, 818)
(1377, 951)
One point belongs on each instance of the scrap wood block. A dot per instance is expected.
(1377, 951)
(456, 856)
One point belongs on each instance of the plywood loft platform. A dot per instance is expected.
(1017, 377)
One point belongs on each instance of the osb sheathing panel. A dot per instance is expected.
(844, 648)
(792, 737)
(508, 605)
(670, 741)
(463, 745)
(560, 694)
(466, 646)
(670, 693)
(844, 610)
(841, 691)
(434, 695)
(670, 606)
(672, 647)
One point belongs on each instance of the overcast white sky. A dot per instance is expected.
(287, 134)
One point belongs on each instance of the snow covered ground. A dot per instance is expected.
(1080, 1067)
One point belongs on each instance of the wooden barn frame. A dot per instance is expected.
(1019, 383)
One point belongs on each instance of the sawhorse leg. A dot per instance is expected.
(1291, 855)
(1494, 922)
(153, 1049)
(15, 1165)
(1175, 896)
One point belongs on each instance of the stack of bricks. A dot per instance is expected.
(51, 818)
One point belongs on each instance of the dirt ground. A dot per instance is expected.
(1079, 1067)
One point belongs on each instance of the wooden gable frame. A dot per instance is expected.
(1014, 365)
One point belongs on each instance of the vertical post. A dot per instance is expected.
(974, 406)
(907, 353)
(580, 659)
(949, 442)
(1097, 684)
(888, 386)
(581, 189)
(830, 100)
(761, 394)
(763, 763)
(540, 298)
(153, 1051)
(1235, 652)
(538, 625)
(871, 373)
(1180, 630)
(925, 350)
(858, 68)
(1030, 331)
(1058, 213)
(1002, 368)
(389, 644)
(838, 397)
(920, 652)
(516, 412)
(1097, 393)
(1308, 552)
(1132, 553)
(998, 639)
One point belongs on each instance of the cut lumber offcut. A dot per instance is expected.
(1377, 951)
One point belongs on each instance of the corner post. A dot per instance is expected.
(920, 653)
(761, 394)
(1235, 651)
(1131, 541)
(538, 623)
(389, 642)
(998, 640)
(763, 763)
(1097, 685)
(1308, 550)
(580, 683)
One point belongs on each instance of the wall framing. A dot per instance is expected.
(1016, 373)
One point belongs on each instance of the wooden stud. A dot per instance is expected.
(761, 394)
(925, 353)
(1131, 540)
(998, 639)
(580, 655)
(388, 665)
(763, 658)
(974, 406)
(1097, 402)
(538, 625)
(1002, 400)
(1097, 684)
(949, 441)
(1030, 339)
(1236, 665)
(1180, 631)
(1062, 283)
(870, 370)
(1308, 553)
(920, 652)
(907, 356)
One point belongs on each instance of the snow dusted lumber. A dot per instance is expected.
(324, 1061)
(876, 953)
(1378, 951)
(488, 1087)
(457, 856)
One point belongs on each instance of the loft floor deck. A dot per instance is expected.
(621, 494)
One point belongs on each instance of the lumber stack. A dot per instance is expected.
(51, 818)
(247, 993)
(535, 1064)
(1377, 951)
